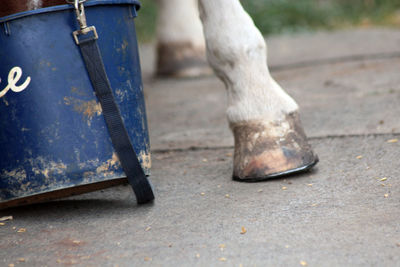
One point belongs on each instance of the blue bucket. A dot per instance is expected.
(53, 138)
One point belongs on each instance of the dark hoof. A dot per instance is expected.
(271, 150)
(181, 60)
(290, 172)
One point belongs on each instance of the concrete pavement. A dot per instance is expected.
(346, 212)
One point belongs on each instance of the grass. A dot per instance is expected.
(277, 16)
(146, 20)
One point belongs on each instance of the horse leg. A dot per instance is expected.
(180, 40)
(269, 138)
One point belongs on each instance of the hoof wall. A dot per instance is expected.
(271, 150)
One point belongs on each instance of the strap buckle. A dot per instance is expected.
(81, 18)
(85, 31)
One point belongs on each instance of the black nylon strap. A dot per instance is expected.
(116, 128)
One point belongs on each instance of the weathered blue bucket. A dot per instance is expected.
(53, 138)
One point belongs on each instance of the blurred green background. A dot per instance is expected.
(280, 16)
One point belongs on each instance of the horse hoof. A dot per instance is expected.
(269, 150)
(181, 60)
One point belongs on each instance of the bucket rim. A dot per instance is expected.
(89, 3)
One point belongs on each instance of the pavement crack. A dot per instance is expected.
(342, 136)
(193, 148)
(342, 59)
(322, 137)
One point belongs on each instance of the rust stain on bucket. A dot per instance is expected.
(145, 159)
(107, 168)
(87, 108)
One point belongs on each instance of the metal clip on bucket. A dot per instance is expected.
(81, 18)
(116, 127)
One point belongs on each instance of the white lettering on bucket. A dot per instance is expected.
(13, 77)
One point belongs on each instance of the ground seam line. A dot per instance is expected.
(342, 59)
(342, 136)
